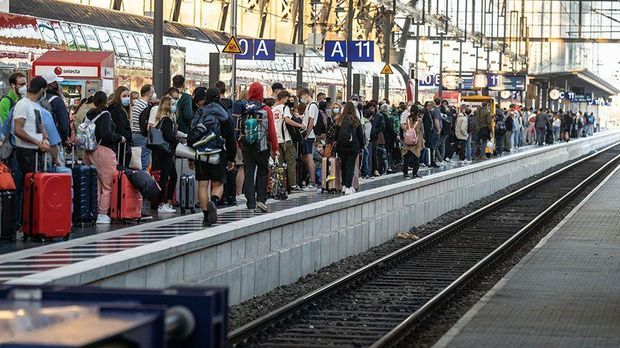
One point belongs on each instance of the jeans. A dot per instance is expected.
(255, 162)
(516, 139)
(382, 159)
(366, 161)
(347, 161)
(499, 144)
(482, 136)
(18, 178)
(540, 136)
(288, 155)
(468, 148)
(138, 139)
(434, 143)
(441, 148)
(556, 133)
(410, 159)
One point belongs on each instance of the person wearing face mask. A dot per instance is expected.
(147, 95)
(311, 115)
(119, 108)
(19, 90)
(55, 104)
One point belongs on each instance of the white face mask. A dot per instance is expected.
(23, 91)
(355, 102)
(336, 111)
(125, 101)
(154, 96)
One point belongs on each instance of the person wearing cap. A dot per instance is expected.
(214, 175)
(58, 109)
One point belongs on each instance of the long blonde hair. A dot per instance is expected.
(164, 109)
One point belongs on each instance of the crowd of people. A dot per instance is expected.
(254, 134)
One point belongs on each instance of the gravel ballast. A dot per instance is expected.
(249, 310)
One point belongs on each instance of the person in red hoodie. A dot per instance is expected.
(257, 161)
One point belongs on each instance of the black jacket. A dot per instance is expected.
(169, 132)
(356, 145)
(389, 134)
(427, 123)
(119, 116)
(105, 130)
(60, 114)
(378, 126)
(227, 126)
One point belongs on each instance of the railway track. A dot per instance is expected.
(379, 304)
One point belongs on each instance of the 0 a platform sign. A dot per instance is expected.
(257, 49)
(349, 51)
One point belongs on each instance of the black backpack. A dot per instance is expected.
(293, 131)
(143, 120)
(346, 136)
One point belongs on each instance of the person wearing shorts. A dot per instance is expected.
(310, 115)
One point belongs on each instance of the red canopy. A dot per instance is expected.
(75, 65)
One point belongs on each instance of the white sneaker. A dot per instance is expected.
(352, 190)
(344, 189)
(166, 209)
(309, 188)
(241, 198)
(103, 219)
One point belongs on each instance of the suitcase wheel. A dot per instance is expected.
(25, 238)
(66, 238)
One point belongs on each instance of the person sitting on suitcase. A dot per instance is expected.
(216, 119)
(349, 141)
(104, 155)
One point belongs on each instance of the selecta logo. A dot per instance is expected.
(71, 71)
(58, 70)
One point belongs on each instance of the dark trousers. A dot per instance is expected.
(168, 176)
(499, 144)
(25, 160)
(412, 160)
(255, 162)
(374, 156)
(461, 148)
(540, 136)
(18, 178)
(347, 168)
(433, 146)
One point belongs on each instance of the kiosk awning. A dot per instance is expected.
(75, 65)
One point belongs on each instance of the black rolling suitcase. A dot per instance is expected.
(85, 205)
(7, 216)
(187, 192)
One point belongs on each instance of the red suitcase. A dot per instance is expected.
(47, 205)
(125, 201)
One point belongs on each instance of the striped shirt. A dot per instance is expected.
(138, 106)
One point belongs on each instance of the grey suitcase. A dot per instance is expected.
(187, 193)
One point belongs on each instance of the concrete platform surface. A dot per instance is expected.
(564, 293)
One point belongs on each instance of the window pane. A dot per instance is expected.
(91, 39)
(68, 36)
(131, 45)
(119, 44)
(47, 31)
(144, 46)
(79, 39)
(59, 34)
(104, 38)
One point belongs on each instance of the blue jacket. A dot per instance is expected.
(60, 116)
(226, 126)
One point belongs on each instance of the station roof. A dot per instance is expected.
(581, 77)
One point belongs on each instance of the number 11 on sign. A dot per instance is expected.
(361, 51)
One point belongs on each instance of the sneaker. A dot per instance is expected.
(103, 219)
(319, 190)
(166, 209)
(347, 191)
(211, 213)
(296, 189)
(405, 176)
(241, 198)
(344, 189)
(263, 207)
(376, 173)
(309, 188)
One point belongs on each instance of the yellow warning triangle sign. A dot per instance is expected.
(232, 46)
(387, 70)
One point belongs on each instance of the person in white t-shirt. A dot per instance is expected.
(288, 149)
(30, 134)
(310, 115)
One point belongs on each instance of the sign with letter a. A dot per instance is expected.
(335, 51)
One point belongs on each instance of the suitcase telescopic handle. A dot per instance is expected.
(118, 154)
(36, 162)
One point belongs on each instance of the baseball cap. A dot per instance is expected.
(354, 96)
(52, 77)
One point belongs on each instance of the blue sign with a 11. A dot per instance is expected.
(361, 51)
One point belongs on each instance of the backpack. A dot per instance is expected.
(411, 137)
(294, 132)
(500, 126)
(86, 137)
(252, 125)
(346, 138)
(321, 126)
(591, 119)
(446, 125)
(143, 120)
(472, 123)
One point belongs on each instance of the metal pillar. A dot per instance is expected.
(440, 89)
(158, 48)
(233, 32)
(357, 79)
(375, 87)
(214, 68)
(417, 59)
(300, 42)
(349, 39)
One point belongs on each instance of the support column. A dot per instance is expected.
(158, 48)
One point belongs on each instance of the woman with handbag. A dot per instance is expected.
(163, 141)
(413, 143)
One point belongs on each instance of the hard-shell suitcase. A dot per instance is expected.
(187, 190)
(7, 216)
(276, 183)
(125, 200)
(85, 205)
(47, 205)
(331, 180)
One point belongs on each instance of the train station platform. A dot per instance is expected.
(563, 293)
(253, 253)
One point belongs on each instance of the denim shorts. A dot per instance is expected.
(306, 146)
